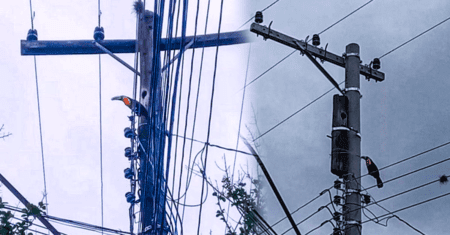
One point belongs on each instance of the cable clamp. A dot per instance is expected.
(352, 89)
(353, 222)
(353, 191)
(340, 128)
(352, 54)
(146, 229)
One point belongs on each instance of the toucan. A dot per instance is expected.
(134, 105)
(373, 170)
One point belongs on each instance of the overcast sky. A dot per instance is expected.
(401, 116)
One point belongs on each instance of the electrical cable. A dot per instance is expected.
(409, 158)
(210, 112)
(308, 217)
(296, 210)
(197, 98)
(424, 32)
(100, 112)
(39, 114)
(420, 169)
(188, 104)
(214, 145)
(240, 120)
(101, 138)
(410, 206)
(296, 112)
(398, 194)
(351, 13)
(377, 203)
(314, 229)
(273, 66)
(273, 3)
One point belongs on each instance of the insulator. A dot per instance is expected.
(316, 40)
(128, 152)
(130, 197)
(32, 35)
(99, 33)
(128, 132)
(366, 198)
(259, 17)
(376, 63)
(337, 184)
(336, 231)
(337, 200)
(128, 173)
(337, 216)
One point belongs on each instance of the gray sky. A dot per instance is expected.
(400, 117)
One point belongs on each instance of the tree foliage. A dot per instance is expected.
(246, 199)
(8, 227)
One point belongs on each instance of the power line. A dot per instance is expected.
(351, 13)
(377, 203)
(409, 158)
(101, 131)
(420, 169)
(39, 114)
(329, 27)
(270, 5)
(424, 32)
(304, 205)
(408, 207)
(296, 112)
(31, 16)
(403, 192)
(100, 112)
(210, 114)
(240, 121)
(196, 100)
(273, 66)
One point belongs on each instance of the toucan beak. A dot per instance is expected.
(120, 97)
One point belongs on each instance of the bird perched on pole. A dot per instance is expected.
(373, 170)
(134, 105)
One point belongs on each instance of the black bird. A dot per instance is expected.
(373, 170)
(134, 105)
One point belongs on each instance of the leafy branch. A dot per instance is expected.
(19, 228)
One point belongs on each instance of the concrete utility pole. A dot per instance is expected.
(347, 163)
(353, 182)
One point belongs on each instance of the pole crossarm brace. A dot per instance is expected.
(320, 53)
(27, 204)
(72, 47)
(115, 57)
(335, 84)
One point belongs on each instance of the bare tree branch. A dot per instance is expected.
(3, 136)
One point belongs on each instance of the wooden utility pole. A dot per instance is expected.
(151, 130)
(348, 163)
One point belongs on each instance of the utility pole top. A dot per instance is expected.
(320, 53)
